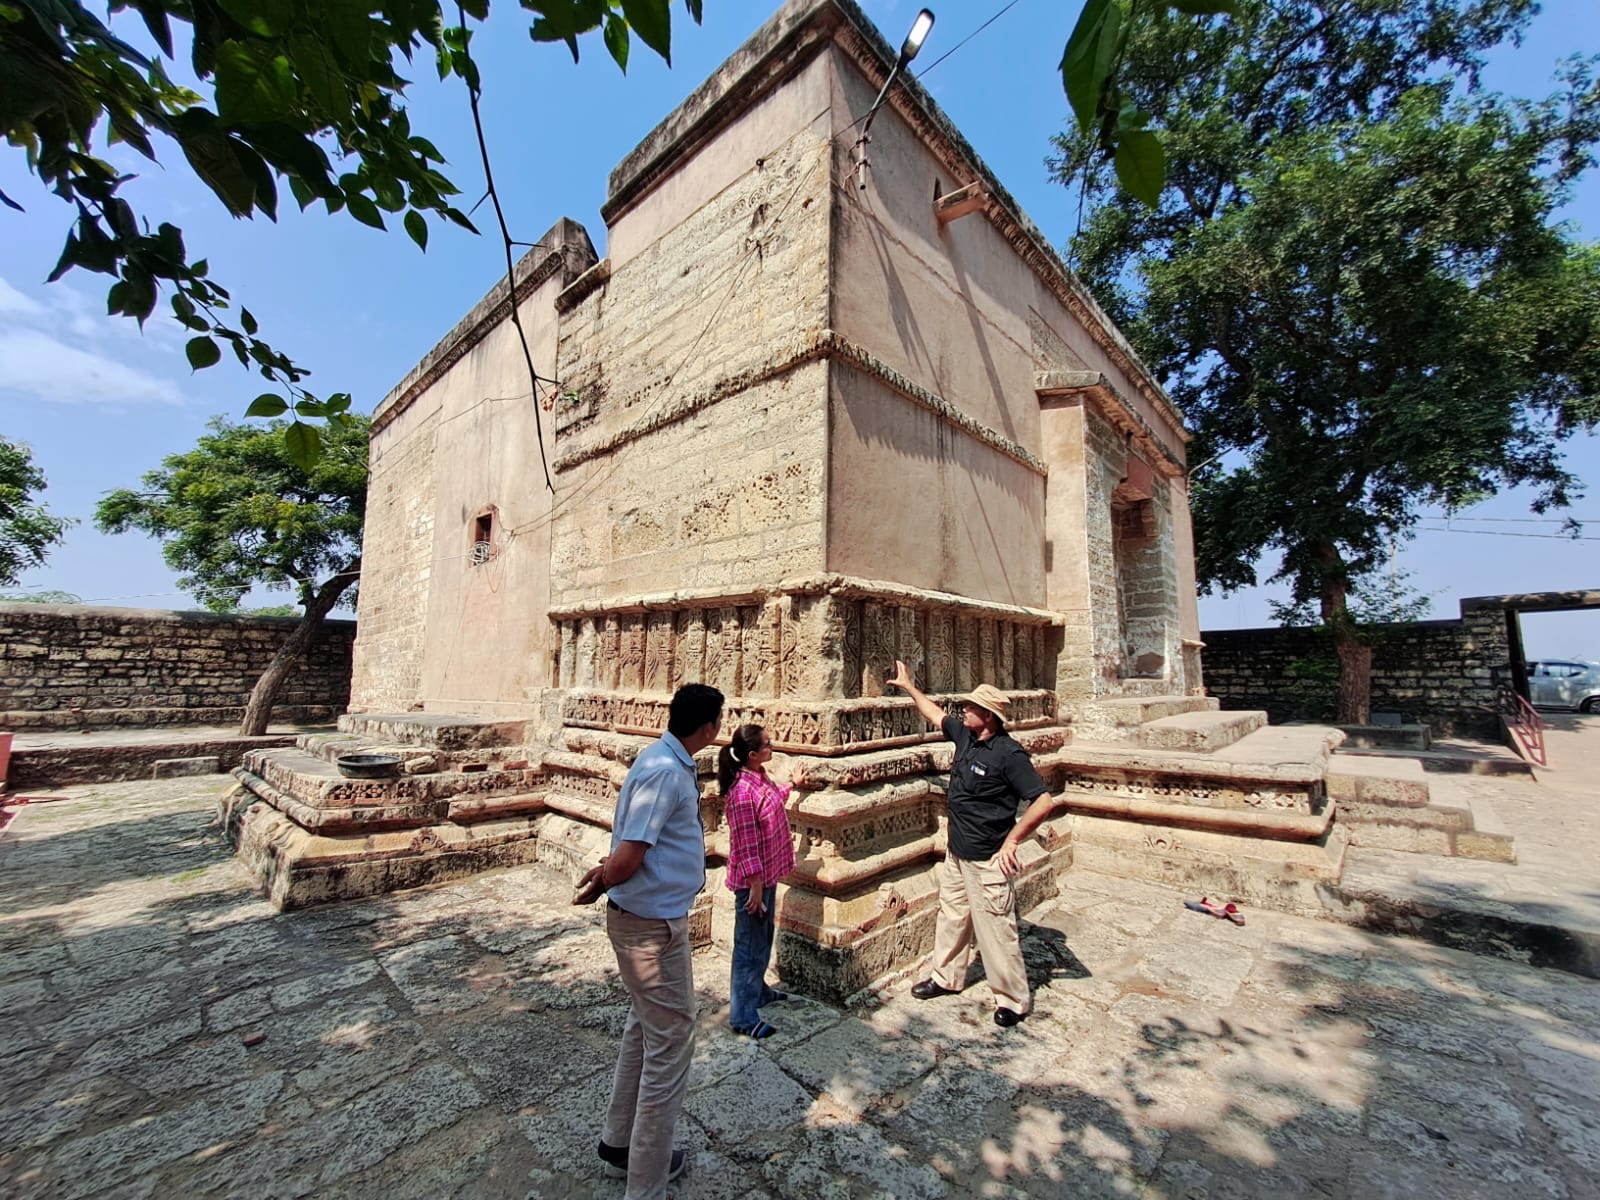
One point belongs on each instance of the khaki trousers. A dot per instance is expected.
(977, 904)
(657, 1045)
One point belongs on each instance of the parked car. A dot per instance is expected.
(1553, 684)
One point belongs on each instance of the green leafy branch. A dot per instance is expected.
(1090, 67)
(297, 86)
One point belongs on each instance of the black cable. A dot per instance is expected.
(965, 40)
(511, 266)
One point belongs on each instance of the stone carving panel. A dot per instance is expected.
(851, 646)
(588, 649)
(631, 675)
(985, 671)
(608, 659)
(688, 656)
(966, 653)
(567, 666)
(941, 652)
(724, 649)
(877, 647)
(658, 646)
(908, 641)
(1005, 672)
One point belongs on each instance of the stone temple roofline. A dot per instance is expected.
(774, 53)
(565, 247)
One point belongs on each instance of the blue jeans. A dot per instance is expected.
(752, 951)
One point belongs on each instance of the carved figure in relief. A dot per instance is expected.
(941, 652)
(760, 853)
(850, 615)
(632, 657)
(658, 652)
(990, 777)
(610, 656)
(655, 870)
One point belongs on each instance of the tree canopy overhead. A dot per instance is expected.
(303, 94)
(1354, 284)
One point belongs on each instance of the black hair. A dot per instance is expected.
(745, 740)
(693, 705)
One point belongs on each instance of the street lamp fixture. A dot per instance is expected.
(908, 50)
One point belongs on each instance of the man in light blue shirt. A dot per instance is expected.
(657, 866)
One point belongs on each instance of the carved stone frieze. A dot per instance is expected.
(822, 641)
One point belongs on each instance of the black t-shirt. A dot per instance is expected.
(988, 780)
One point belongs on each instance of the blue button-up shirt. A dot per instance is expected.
(660, 805)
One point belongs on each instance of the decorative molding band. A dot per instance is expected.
(824, 344)
(797, 727)
(584, 286)
(1071, 388)
(846, 586)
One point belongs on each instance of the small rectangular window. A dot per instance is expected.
(482, 538)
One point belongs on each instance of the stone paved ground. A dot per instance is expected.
(164, 1033)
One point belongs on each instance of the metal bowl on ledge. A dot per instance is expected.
(368, 766)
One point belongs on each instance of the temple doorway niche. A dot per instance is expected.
(1143, 594)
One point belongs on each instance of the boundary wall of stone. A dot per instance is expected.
(77, 667)
(1439, 673)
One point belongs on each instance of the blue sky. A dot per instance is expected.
(101, 404)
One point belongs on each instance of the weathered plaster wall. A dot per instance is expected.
(694, 454)
(397, 561)
(67, 666)
(457, 440)
(1437, 672)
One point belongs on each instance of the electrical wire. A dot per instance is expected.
(1559, 537)
(1002, 12)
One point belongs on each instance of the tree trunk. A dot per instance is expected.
(258, 710)
(1355, 674)
(1355, 656)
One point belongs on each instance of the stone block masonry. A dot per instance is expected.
(74, 667)
(1439, 673)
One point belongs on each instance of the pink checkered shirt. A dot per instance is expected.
(760, 845)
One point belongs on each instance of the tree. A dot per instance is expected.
(1353, 285)
(303, 92)
(27, 529)
(237, 512)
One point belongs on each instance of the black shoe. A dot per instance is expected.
(616, 1161)
(928, 989)
(1006, 1018)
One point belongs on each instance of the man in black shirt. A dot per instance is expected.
(989, 779)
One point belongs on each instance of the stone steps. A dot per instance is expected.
(1203, 731)
(1388, 805)
(1120, 719)
(1455, 902)
(435, 731)
(1288, 876)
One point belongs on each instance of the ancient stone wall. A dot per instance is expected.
(1436, 672)
(397, 560)
(691, 445)
(66, 666)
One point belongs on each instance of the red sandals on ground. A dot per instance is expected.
(1228, 911)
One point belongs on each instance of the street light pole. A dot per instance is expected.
(908, 51)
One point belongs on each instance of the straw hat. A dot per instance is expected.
(988, 696)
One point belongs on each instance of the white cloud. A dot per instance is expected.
(14, 304)
(63, 348)
(36, 364)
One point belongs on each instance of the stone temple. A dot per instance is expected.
(812, 417)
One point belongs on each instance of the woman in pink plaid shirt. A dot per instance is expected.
(760, 852)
